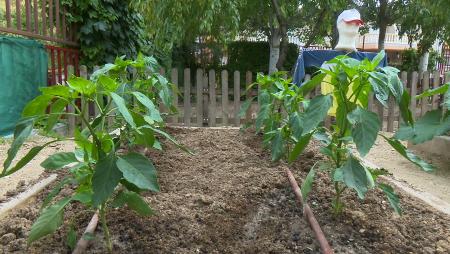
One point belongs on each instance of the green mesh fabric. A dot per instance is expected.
(23, 69)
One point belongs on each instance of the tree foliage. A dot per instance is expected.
(107, 29)
(171, 22)
(426, 21)
(379, 14)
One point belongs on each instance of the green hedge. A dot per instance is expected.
(411, 59)
(242, 56)
(254, 56)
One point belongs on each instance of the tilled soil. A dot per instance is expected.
(229, 198)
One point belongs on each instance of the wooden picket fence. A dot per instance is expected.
(210, 98)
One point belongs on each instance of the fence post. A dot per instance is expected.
(248, 96)
(237, 97)
(187, 97)
(413, 105)
(212, 98)
(404, 78)
(391, 114)
(71, 121)
(205, 98)
(174, 81)
(436, 83)
(199, 105)
(380, 109)
(224, 76)
(84, 105)
(425, 86)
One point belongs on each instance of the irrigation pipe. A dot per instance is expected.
(23, 197)
(83, 242)
(309, 216)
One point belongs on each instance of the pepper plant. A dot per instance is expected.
(279, 117)
(353, 81)
(104, 169)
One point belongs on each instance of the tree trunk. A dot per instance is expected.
(283, 51)
(274, 43)
(382, 36)
(423, 62)
(382, 18)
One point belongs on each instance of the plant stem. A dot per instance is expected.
(81, 115)
(105, 228)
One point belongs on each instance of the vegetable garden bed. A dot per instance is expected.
(230, 198)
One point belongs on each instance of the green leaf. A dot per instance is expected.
(71, 239)
(152, 110)
(134, 202)
(309, 85)
(408, 154)
(55, 191)
(430, 92)
(49, 220)
(105, 179)
(296, 125)
(278, 147)
(145, 137)
(21, 133)
(366, 126)
(393, 198)
(57, 90)
(59, 160)
(121, 105)
(263, 114)
(396, 86)
(28, 157)
(37, 106)
(446, 103)
(299, 147)
(138, 170)
(83, 196)
(404, 108)
(322, 136)
(81, 85)
(378, 58)
(379, 82)
(245, 106)
(316, 112)
(56, 110)
(356, 176)
(108, 83)
(307, 184)
(170, 138)
(425, 128)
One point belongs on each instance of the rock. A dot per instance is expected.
(7, 238)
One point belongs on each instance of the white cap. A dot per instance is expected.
(351, 15)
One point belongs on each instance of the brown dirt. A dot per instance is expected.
(229, 198)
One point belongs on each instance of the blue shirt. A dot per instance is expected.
(315, 58)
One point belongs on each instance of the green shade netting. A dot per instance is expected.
(23, 69)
